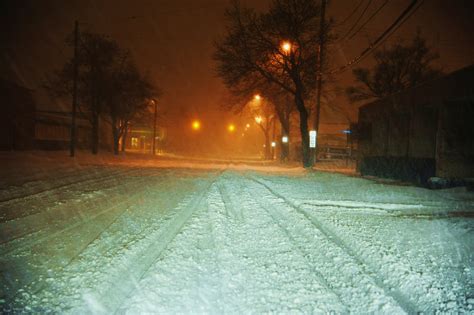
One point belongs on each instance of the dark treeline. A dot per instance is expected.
(275, 53)
(109, 86)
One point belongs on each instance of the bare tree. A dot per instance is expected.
(97, 56)
(129, 95)
(278, 47)
(275, 103)
(284, 108)
(262, 110)
(109, 85)
(397, 68)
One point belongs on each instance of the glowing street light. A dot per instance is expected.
(286, 46)
(196, 125)
(231, 128)
(247, 126)
(257, 97)
(284, 139)
(258, 119)
(273, 144)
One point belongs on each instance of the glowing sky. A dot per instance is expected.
(173, 42)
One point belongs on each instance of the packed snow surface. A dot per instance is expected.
(165, 236)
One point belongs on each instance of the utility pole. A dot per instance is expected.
(274, 138)
(319, 79)
(74, 92)
(154, 126)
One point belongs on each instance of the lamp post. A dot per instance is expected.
(273, 149)
(154, 125)
(319, 78)
(264, 123)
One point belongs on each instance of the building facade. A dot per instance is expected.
(140, 139)
(426, 131)
(53, 131)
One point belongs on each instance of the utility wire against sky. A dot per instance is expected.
(190, 9)
(351, 14)
(404, 16)
(369, 19)
(356, 22)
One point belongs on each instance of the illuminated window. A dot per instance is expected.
(134, 142)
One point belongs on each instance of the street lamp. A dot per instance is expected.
(258, 119)
(231, 128)
(286, 46)
(257, 97)
(196, 125)
(154, 125)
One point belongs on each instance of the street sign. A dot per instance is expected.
(312, 139)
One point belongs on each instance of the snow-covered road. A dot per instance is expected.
(185, 240)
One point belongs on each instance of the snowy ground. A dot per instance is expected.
(129, 235)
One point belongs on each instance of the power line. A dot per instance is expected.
(369, 19)
(190, 9)
(404, 16)
(401, 23)
(357, 21)
(352, 13)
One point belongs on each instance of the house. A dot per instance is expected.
(423, 132)
(53, 130)
(140, 138)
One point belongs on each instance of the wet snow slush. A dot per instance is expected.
(226, 240)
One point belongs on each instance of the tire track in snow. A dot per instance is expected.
(402, 301)
(234, 267)
(198, 250)
(319, 292)
(278, 220)
(125, 280)
(393, 209)
(212, 236)
(108, 215)
(116, 244)
(211, 294)
(230, 207)
(29, 211)
(20, 198)
(39, 225)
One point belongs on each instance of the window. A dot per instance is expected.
(134, 142)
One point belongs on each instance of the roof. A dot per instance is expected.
(453, 86)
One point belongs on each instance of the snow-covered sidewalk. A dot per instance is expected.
(178, 237)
